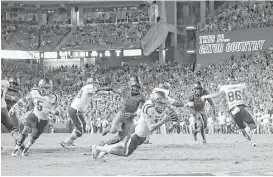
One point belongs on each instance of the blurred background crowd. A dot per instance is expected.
(254, 69)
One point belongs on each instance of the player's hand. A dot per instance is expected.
(172, 116)
(203, 98)
(11, 111)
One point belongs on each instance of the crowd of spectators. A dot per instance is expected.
(107, 36)
(254, 69)
(242, 15)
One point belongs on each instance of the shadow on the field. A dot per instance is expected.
(184, 174)
(181, 159)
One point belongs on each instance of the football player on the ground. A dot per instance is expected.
(44, 100)
(79, 106)
(131, 106)
(5, 119)
(198, 108)
(234, 95)
(152, 109)
(165, 87)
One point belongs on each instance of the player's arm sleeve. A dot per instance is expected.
(248, 95)
(140, 105)
(212, 105)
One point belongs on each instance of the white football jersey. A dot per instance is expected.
(234, 94)
(142, 129)
(4, 88)
(83, 99)
(42, 104)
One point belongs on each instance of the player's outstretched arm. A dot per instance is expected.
(213, 95)
(175, 102)
(248, 95)
(212, 106)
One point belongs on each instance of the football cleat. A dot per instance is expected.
(66, 145)
(253, 144)
(15, 152)
(95, 152)
(25, 152)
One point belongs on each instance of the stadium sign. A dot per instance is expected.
(214, 47)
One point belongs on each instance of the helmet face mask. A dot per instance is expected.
(198, 89)
(12, 82)
(135, 90)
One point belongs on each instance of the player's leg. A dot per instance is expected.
(35, 134)
(239, 120)
(31, 121)
(15, 119)
(204, 120)
(8, 123)
(120, 149)
(79, 122)
(116, 124)
(125, 128)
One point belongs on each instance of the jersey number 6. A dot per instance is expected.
(234, 96)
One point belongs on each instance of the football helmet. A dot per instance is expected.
(45, 85)
(103, 81)
(159, 100)
(165, 85)
(198, 89)
(13, 82)
(135, 85)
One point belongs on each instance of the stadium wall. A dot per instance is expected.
(215, 47)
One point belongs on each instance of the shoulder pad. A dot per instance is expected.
(56, 97)
(148, 105)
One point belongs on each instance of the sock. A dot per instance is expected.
(203, 133)
(15, 134)
(30, 143)
(246, 135)
(21, 139)
(72, 137)
(106, 149)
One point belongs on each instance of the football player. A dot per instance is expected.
(165, 87)
(152, 109)
(131, 107)
(17, 93)
(234, 94)
(198, 109)
(44, 102)
(5, 119)
(79, 106)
